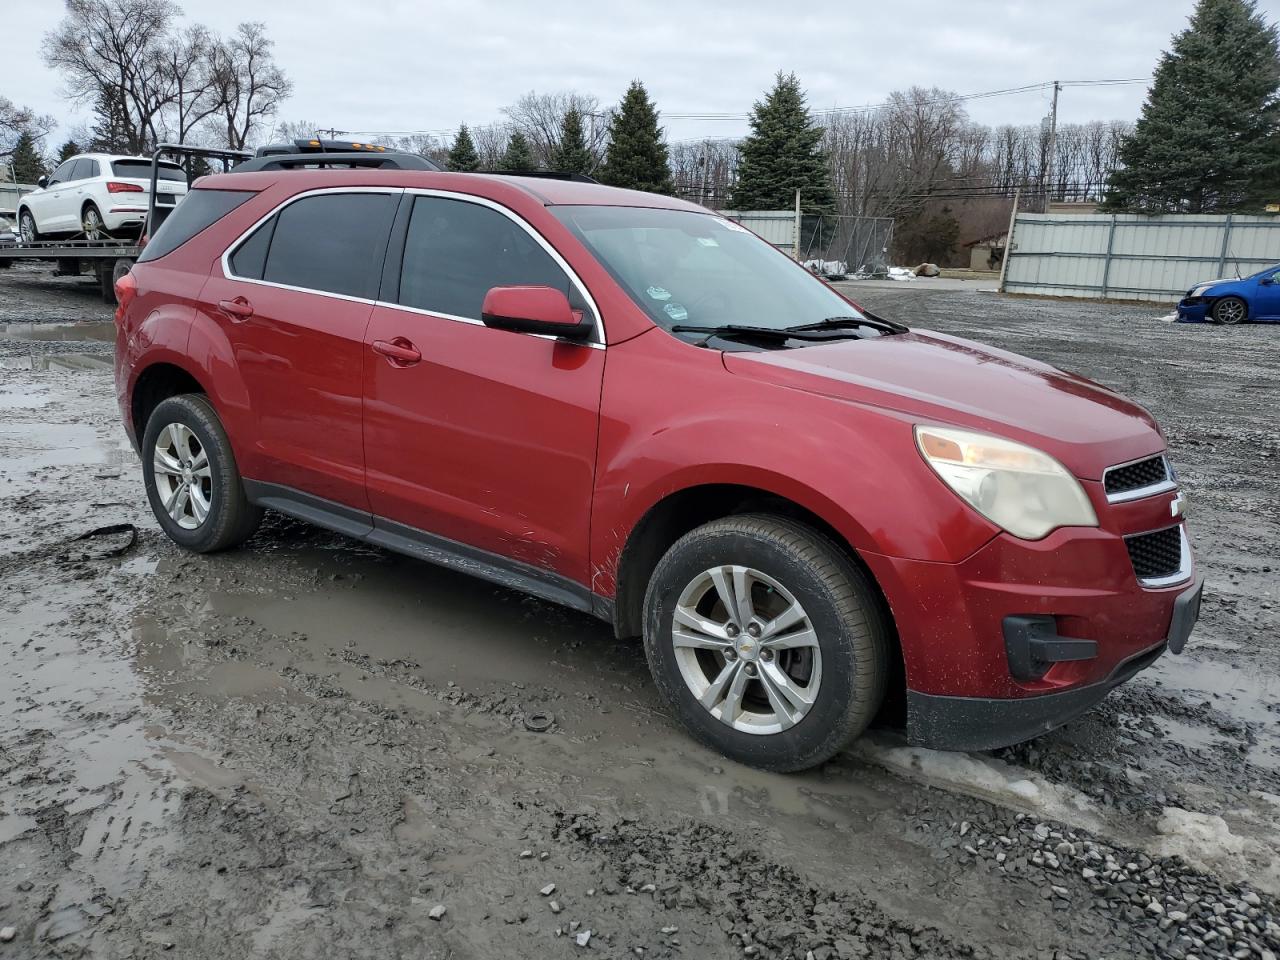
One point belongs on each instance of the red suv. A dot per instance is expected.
(626, 404)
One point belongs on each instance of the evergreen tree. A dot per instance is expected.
(463, 155)
(1208, 139)
(783, 153)
(519, 155)
(637, 156)
(67, 151)
(571, 154)
(27, 164)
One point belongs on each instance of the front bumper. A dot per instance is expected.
(1193, 310)
(987, 723)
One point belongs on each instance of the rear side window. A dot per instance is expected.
(456, 250)
(199, 210)
(332, 242)
(85, 169)
(141, 170)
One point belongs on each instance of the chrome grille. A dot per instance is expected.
(1141, 478)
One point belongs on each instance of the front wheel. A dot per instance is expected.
(766, 641)
(191, 477)
(1229, 311)
(27, 227)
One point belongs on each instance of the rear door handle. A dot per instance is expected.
(237, 309)
(400, 351)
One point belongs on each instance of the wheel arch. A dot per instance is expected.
(155, 383)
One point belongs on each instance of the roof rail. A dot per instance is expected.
(376, 161)
(544, 174)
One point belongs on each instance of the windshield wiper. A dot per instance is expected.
(866, 320)
(744, 332)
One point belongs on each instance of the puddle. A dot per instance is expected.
(58, 362)
(1246, 696)
(101, 330)
(26, 447)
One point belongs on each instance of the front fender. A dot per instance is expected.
(854, 466)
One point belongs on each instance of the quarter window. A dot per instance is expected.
(332, 242)
(456, 250)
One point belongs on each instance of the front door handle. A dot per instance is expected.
(400, 352)
(237, 309)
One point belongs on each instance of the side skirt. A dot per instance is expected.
(422, 545)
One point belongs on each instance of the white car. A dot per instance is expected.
(97, 195)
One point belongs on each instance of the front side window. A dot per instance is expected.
(697, 269)
(332, 242)
(63, 173)
(456, 251)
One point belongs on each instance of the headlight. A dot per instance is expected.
(1199, 291)
(1016, 487)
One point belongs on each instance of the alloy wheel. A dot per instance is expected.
(92, 224)
(1229, 311)
(27, 227)
(184, 479)
(746, 649)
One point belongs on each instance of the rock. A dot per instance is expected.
(438, 911)
(670, 930)
(526, 854)
(1155, 908)
(583, 938)
(548, 890)
(7, 934)
(1251, 898)
(555, 906)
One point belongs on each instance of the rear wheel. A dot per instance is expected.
(1229, 311)
(766, 641)
(91, 223)
(191, 477)
(27, 227)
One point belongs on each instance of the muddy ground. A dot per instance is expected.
(312, 748)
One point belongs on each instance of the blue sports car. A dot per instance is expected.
(1256, 297)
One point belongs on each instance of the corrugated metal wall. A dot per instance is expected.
(1131, 257)
(776, 226)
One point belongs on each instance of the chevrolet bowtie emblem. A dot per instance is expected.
(1178, 506)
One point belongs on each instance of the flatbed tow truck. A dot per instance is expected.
(109, 260)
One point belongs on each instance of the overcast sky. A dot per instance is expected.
(406, 65)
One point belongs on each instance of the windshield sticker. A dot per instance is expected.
(708, 241)
(676, 312)
(658, 293)
(730, 225)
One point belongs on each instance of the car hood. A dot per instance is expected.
(1212, 283)
(937, 378)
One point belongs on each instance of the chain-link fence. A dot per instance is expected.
(840, 246)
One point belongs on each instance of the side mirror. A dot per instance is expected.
(1267, 281)
(42, 182)
(543, 310)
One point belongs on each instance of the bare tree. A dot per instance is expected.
(491, 143)
(189, 60)
(112, 52)
(540, 117)
(247, 84)
(16, 120)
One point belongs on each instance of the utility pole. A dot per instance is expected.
(702, 190)
(1053, 145)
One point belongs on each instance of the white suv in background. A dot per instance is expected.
(97, 195)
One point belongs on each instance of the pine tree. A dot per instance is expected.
(571, 154)
(462, 155)
(637, 156)
(519, 155)
(27, 164)
(783, 153)
(1208, 139)
(67, 151)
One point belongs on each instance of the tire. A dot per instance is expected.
(190, 425)
(1229, 311)
(118, 269)
(92, 224)
(792, 570)
(27, 227)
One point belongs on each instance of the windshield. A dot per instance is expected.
(696, 269)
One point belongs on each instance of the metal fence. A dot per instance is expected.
(843, 244)
(9, 194)
(1132, 257)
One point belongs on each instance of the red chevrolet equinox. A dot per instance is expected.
(628, 405)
